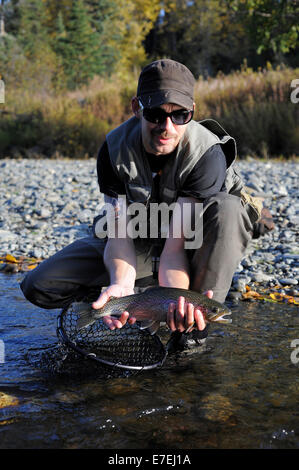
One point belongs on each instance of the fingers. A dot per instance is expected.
(199, 319)
(180, 314)
(209, 294)
(113, 322)
(184, 317)
(189, 319)
(171, 317)
(180, 317)
(114, 290)
(100, 302)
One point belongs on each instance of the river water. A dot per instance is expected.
(240, 391)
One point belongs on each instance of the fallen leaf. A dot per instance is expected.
(251, 295)
(276, 296)
(10, 258)
(8, 400)
(32, 266)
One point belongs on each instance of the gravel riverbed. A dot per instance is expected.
(47, 204)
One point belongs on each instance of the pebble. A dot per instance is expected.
(47, 204)
(261, 277)
(288, 282)
(7, 236)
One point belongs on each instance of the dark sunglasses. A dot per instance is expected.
(159, 116)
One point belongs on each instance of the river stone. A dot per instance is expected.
(261, 277)
(288, 282)
(7, 236)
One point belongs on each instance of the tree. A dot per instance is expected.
(12, 16)
(272, 24)
(203, 34)
(133, 21)
(102, 14)
(78, 45)
(33, 35)
(123, 26)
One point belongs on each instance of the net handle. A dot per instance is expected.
(68, 342)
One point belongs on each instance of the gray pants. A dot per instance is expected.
(227, 230)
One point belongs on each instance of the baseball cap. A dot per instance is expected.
(166, 81)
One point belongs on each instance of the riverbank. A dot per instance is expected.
(47, 204)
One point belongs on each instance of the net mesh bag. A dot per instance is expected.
(128, 347)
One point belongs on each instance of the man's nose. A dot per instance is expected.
(167, 125)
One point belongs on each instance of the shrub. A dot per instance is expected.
(254, 107)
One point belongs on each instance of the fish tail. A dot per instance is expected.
(85, 315)
(84, 321)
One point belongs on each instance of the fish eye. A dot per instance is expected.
(215, 309)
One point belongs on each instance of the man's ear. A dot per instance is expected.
(135, 107)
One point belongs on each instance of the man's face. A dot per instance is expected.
(161, 139)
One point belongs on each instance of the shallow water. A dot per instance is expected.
(240, 392)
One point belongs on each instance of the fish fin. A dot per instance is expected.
(85, 314)
(151, 325)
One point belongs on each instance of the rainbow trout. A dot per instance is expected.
(151, 307)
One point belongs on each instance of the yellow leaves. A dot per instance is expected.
(250, 294)
(14, 265)
(275, 297)
(10, 259)
(133, 19)
(30, 267)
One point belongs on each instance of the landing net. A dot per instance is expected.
(128, 347)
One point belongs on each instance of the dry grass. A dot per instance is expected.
(254, 107)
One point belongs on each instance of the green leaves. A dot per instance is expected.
(272, 24)
(79, 46)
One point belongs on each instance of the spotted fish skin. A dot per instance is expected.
(151, 307)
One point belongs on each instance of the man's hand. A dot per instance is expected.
(184, 315)
(115, 290)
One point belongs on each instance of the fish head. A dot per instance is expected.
(218, 313)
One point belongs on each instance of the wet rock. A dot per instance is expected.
(261, 277)
(9, 268)
(216, 407)
(288, 282)
(240, 282)
(234, 296)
